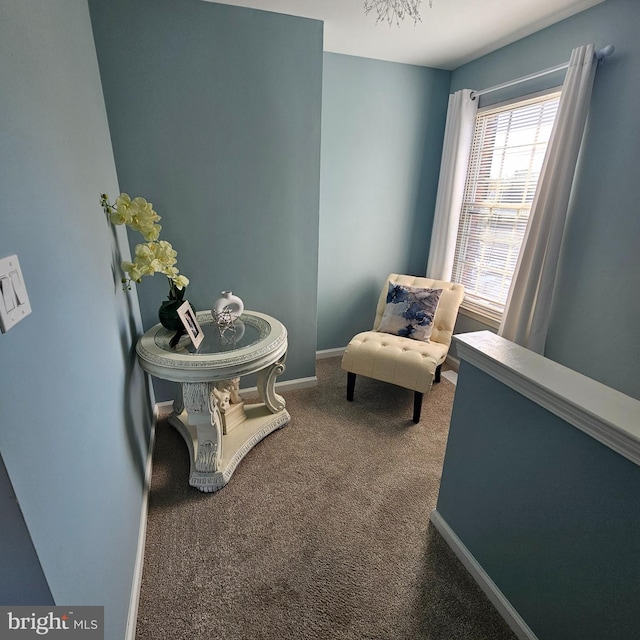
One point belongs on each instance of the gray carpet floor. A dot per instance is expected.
(323, 531)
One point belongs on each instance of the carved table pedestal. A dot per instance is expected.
(216, 424)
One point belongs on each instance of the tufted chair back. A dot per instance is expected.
(446, 313)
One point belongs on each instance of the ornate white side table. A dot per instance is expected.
(217, 426)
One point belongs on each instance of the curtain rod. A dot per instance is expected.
(600, 54)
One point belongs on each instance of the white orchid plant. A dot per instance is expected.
(153, 256)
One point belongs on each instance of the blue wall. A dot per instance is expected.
(214, 114)
(22, 581)
(382, 131)
(233, 166)
(594, 316)
(550, 514)
(74, 409)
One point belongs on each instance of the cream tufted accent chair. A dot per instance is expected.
(408, 363)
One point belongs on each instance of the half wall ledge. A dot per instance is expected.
(607, 415)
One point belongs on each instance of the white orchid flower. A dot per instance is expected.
(153, 256)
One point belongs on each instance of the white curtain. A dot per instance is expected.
(458, 136)
(526, 317)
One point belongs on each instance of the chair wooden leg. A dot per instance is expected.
(417, 406)
(438, 371)
(351, 384)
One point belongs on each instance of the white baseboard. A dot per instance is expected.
(491, 590)
(329, 353)
(136, 584)
(286, 385)
(454, 363)
(164, 409)
(451, 376)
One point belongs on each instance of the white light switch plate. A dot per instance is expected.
(14, 301)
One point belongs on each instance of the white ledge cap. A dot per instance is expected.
(609, 416)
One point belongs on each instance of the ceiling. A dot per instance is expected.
(450, 33)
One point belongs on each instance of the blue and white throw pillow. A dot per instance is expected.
(410, 311)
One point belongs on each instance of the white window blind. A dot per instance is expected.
(506, 159)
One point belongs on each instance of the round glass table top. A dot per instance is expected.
(254, 341)
(216, 339)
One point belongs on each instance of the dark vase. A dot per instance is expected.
(168, 312)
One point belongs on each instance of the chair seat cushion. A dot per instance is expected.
(402, 361)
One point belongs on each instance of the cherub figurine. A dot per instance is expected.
(223, 399)
(232, 388)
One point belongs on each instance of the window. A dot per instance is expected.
(508, 150)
